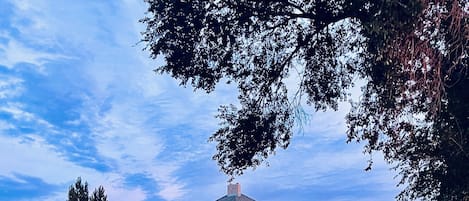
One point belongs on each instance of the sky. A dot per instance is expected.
(79, 98)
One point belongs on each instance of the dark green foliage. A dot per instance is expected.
(412, 54)
(99, 195)
(79, 192)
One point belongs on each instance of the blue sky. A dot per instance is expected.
(79, 98)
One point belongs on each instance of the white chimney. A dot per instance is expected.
(234, 189)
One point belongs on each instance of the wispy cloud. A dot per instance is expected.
(124, 135)
(33, 151)
(13, 53)
(92, 107)
(16, 111)
(120, 136)
(10, 86)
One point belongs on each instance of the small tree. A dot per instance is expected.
(99, 194)
(79, 192)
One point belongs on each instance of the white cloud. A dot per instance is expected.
(18, 113)
(124, 194)
(124, 97)
(315, 168)
(32, 151)
(172, 191)
(124, 135)
(14, 53)
(106, 35)
(10, 86)
(34, 157)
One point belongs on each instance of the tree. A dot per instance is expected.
(79, 192)
(99, 194)
(412, 55)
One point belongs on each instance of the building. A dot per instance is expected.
(234, 194)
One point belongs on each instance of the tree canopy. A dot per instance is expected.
(412, 54)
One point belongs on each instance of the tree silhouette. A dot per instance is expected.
(79, 192)
(412, 54)
(99, 194)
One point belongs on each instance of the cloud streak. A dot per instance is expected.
(92, 107)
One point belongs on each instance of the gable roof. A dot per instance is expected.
(235, 198)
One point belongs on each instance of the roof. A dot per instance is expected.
(235, 198)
